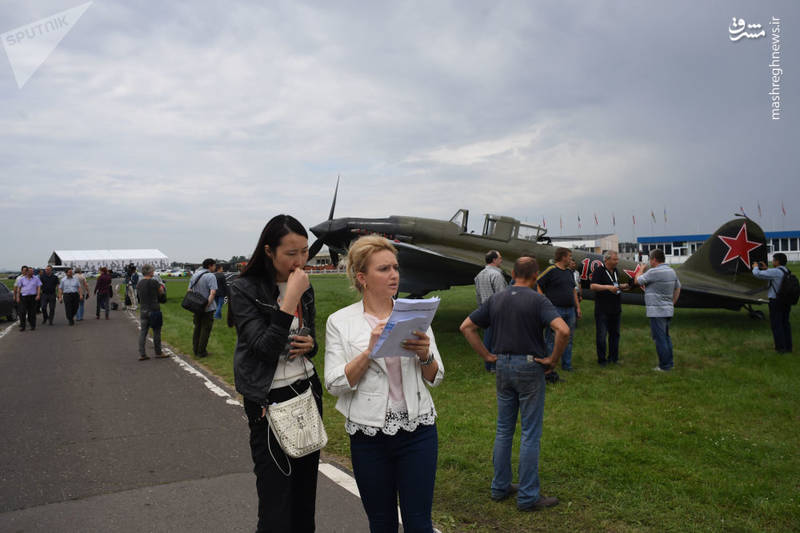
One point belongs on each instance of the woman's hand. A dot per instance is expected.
(301, 345)
(376, 333)
(296, 284)
(421, 345)
(357, 367)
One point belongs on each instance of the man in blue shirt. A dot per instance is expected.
(518, 315)
(778, 311)
(204, 282)
(70, 292)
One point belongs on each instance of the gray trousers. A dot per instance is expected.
(144, 320)
(48, 302)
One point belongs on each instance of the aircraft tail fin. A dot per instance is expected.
(730, 252)
(733, 249)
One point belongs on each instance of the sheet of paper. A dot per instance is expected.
(407, 316)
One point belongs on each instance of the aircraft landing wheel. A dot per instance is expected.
(757, 315)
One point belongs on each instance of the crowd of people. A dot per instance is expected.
(388, 412)
(35, 293)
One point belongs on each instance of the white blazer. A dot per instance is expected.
(347, 335)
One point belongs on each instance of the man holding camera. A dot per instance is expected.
(778, 310)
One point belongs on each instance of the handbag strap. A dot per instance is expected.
(191, 285)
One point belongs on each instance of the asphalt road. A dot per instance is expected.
(91, 439)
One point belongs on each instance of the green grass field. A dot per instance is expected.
(711, 446)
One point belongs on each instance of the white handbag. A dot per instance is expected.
(297, 425)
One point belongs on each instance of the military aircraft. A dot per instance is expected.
(438, 254)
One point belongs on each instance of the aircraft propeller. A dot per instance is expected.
(322, 231)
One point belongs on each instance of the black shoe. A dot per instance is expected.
(33, 328)
(539, 504)
(143, 358)
(552, 377)
(512, 489)
(50, 322)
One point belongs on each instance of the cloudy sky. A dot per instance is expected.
(186, 127)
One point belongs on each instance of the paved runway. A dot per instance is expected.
(94, 440)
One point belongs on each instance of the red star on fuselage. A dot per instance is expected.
(739, 246)
(633, 273)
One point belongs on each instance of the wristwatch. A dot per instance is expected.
(427, 361)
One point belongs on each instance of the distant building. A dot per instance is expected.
(678, 248)
(628, 251)
(92, 260)
(590, 243)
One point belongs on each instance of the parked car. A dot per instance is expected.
(7, 307)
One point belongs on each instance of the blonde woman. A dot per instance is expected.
(389, 413)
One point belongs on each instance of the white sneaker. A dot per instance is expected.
(659, 369)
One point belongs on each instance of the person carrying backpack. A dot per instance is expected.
(783, 293)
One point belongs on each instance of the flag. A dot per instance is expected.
(544, 223)
(759, 209)
(561, 222)
(596, 223)
(783, 208)
(742, 210)
(613, 220)
(653, 215)
(665, 215)
(579, 221)
(634, 219)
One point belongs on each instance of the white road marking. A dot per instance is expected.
(339, 477)
(343, 479)
(5, 331)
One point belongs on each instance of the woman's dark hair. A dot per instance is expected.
(279, 226)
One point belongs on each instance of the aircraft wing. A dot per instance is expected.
(423, 270)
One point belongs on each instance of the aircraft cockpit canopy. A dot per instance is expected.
(506, 228)
(460, 219)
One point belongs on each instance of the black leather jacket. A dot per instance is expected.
(262, 332)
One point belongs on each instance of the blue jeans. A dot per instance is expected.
(607, 324)
(387, 465)
(568, 314)
(79, 314)
(219, 301)
(659, 330)
(487, 341)
(520, 387)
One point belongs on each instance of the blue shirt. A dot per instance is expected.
(775, 277)
(69, 285)
(204, 285)
(517, 315)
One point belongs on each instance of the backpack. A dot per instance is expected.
(789, 293)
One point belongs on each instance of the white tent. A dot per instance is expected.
(113, 259)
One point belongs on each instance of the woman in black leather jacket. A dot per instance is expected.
(272, 306)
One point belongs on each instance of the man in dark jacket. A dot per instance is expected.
(49, 286)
